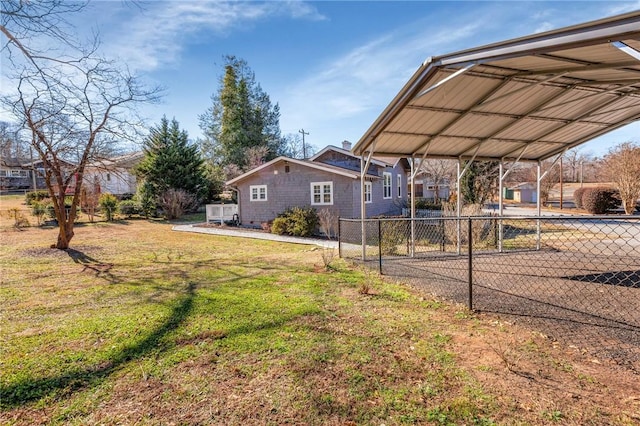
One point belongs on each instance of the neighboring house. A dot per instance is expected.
(15, 174)
(330, 179)
(21, 174)
(426, 188)
(114, 175)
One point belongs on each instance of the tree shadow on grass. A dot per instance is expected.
(30, 390)
(101, 270)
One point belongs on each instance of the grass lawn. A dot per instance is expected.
(141, 325)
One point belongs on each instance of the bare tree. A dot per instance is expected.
(74, 106)
(622, 166)
(574, 161)
(439, 172)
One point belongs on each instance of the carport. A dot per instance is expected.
(526, 99)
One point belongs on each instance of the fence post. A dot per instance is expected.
(380, 246)
(470, 255)
(339, 240)
(444, 237)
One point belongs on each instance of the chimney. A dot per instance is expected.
(346, 145)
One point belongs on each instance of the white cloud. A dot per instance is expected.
(362, 80)
(154, 35)
(619, 8)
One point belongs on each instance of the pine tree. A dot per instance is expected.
(171, 162)
(241, 118)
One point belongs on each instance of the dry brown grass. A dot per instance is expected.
(177, 328)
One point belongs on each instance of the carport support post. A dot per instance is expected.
(470, 266)
(500, 205)
(538, 205)
(364, 166)
(459, 203)
(412, 247)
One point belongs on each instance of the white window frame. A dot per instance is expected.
(258, 192)
(322, 193)
(399, 179)
(368, 191)
(386, 186)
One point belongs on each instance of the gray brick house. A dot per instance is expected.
(330, 179)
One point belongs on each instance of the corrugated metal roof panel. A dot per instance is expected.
(548, 91)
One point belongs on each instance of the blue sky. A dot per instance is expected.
(332, 66)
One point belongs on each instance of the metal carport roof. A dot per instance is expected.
(527, 98)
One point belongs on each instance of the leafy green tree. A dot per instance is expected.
(171, 162)
(479, 181)
(241, 118)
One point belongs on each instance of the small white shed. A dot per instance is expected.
(525, 193)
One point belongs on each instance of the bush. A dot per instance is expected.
(34, 196)
(129, 208)
(176, 202)
(424, 204)
(394, 234)
(577, 197)
(600, 200)
(297, 221)
(39, 209)
(109, 205)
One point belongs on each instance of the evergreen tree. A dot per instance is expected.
(241, 118)
(171, 162)
(479, 181)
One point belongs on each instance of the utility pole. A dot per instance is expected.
(561, 189)
(304, 147)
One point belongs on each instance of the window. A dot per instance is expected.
(386, 185)
(258, 192)
(108, 177)
(321, 193)
(399, 186)
(367, 192)
(3, 173)
(19, 173)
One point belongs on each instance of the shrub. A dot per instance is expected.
(328, 222)
(424, 204)
(146, 200)
(39, 209)
(19, 219)
(297, 221)
(600, 200)
(129, 208)
(34, 196)
(109, 205)
(176, 202)
(577, 197)
(480, 228)
(394, 234)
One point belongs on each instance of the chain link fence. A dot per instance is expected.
(575, 279)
